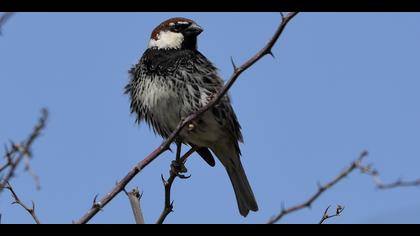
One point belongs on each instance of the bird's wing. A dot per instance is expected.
(207, 156)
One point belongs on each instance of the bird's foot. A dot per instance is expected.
(178, 168)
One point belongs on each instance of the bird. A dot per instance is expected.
(173, 79)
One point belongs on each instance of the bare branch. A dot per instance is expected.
(18, 152)
(356, 165)
(177, 168)
(31, 172)
(321, 189)
(166, 144)
(339, 209)
(9, 156)
(4, 18)
(399, 183)
(381, 185)
(30, 210)
(134, 196)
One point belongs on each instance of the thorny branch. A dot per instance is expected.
(9, 156)
(327, 216)
(356, 165)
(321, 189)
(30, 210)
(177, 168)
(4, 18)
(266, 50)
(381, 185)
(18, 152)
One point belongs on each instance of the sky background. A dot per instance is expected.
(340, 83)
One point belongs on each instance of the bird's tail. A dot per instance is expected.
(245, 198)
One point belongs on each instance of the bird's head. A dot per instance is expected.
(175, 33)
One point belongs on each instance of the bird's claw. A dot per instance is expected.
(178, 168)
(183, 176)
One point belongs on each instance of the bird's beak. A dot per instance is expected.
(194, 29)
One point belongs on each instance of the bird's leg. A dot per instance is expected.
(178, 143)
(178, 165)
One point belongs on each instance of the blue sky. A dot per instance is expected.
(340, 83)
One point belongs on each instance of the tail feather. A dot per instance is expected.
(244, 196)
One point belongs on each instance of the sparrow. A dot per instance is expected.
(171, 81)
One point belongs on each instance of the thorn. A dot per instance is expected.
(6, 149)
(171, 206)
(271, 54)
(364, 154)
(320, 187)
(163, 180)
(95, 204)
(282, 15)
(326, 211)
(233, 64)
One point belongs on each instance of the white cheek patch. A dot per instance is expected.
(167, 40)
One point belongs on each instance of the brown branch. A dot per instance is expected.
(9, 156)
(4, 18)
(383, 186)
(321, 189)
(399, 183)
(134, 196)
(30, 210)
(166, 144)
(177, 168)
(19, 152)
(32, 173)
(356, 165)
(327, 216)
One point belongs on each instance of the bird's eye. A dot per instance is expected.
(178, 27)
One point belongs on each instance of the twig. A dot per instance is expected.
(321, 189)
(30, 171)
(3, 19)
(383, 186)
(327, 216)
(166, 144)
(400, 183)
(134, 196)
(356, 165)
(9, 156)
(177, 168)
(24, 150)
(30, 210)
